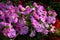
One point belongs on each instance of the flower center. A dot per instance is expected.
(13, 17)
(51, 14)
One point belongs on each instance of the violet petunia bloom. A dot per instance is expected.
(9, 32)
(33, 33)
(23, 30)
(52, 13)
(13, 18)
(51, 20)
(38, 27)
(20, 24)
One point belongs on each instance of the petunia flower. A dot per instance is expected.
(51, 20)
(38, 27)
(13, 18)
(9, 32)
(52, 13)
(33, 33)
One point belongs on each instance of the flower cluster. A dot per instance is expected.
(12, 20)
(43, 20)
